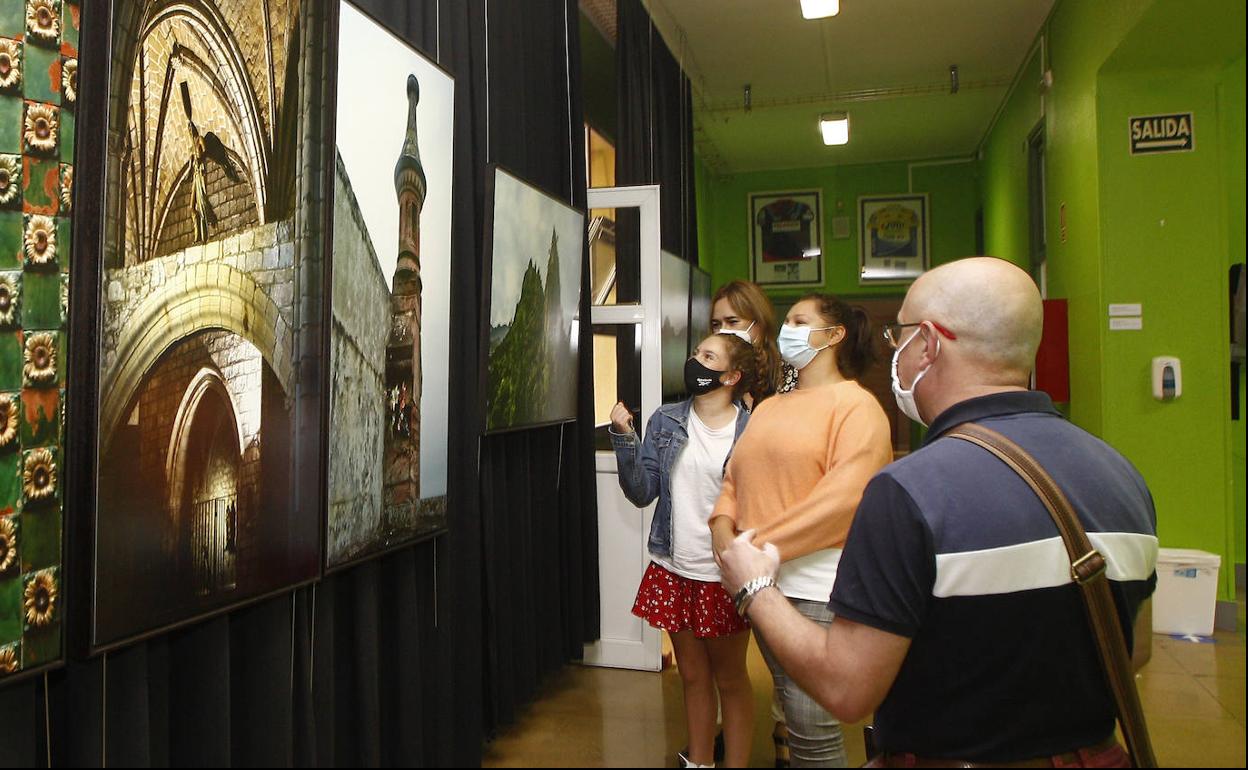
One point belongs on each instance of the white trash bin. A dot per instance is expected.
(1187, 591)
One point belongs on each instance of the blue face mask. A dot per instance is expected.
(795, 346)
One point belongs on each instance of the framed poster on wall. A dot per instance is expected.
(211, 345)
(893, 238)
(786, 238)
(390, 292)
(535, 243)
(674, 274)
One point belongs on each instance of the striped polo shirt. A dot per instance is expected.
(953, 550)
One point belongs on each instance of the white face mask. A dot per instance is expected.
(742, 333)
(795, 346)
(905, 398)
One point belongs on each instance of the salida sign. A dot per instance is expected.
(1162, 133)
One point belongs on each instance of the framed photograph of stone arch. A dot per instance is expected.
(38, 104)
(209, 429)
(391, 289)
(534, 245)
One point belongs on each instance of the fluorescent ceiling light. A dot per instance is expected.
(835, 127)
(819, 9)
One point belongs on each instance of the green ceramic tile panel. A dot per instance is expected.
(71, 20)
(40, 416)
(11, 112)
(13, 522)
(67, 136)
(39, 65)
(12, 18)
(42, 645)
(41, 178)
(10, 481)
(11, 358)
(10, 608)
(41, 299)
(41, 539)
(39, 288)
(11, 225)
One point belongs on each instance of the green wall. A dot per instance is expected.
(723, 215)
(1159, 230)
(1231, 88)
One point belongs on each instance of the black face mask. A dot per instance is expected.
(700, 380)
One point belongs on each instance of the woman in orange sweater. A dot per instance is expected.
(796, 476)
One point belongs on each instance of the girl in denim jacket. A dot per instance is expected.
(681, 463)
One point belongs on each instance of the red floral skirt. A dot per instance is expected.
(673, 603)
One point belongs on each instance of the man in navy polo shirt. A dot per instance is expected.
(957, 622)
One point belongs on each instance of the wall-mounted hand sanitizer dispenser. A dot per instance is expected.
(1167, 378)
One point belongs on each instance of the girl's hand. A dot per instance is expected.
(621, 419)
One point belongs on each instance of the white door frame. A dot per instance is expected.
(622, 553)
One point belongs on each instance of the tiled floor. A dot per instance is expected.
(1193, 697)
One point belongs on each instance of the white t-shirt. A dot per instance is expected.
(697, 476)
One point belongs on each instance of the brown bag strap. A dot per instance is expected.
(1087, 570)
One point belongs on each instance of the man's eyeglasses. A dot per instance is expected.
(892, 332)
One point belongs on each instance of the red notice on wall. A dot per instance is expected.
(1053, 357)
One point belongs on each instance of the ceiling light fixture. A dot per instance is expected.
(820, 9)
(835, 127)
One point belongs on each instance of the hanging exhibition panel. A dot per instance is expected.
(209, 312)
(674, 338)
(38, 93)
(535, 244)
(699, 307)
(391, 290)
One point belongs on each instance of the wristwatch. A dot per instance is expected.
(748, 591)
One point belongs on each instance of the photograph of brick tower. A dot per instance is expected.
(210, 302)
(390, 287)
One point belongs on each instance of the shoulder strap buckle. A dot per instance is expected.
(1088, 567)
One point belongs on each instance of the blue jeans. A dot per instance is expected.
(814, 735)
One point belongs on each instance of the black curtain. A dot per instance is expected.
(654, 145)
(538, 506)
(654, 142)
(393, 661)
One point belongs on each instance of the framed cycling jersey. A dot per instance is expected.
(893, 238)
(786, 238)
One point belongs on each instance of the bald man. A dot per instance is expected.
(957, 623)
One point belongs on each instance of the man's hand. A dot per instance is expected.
(741, 562)
(621, 419)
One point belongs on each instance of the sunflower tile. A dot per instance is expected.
(43, 22)
(10, 432)
(10, 658)
(10, 181)
(10, 299)
(41, 480)
(10, 545)
(12, 66)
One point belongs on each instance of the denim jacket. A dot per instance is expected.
(646, 468)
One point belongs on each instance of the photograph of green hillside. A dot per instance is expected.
(536, 247)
